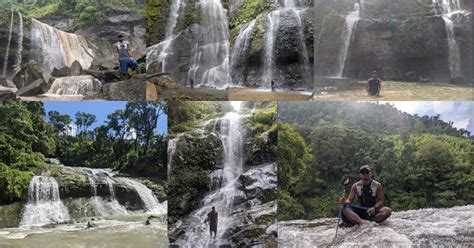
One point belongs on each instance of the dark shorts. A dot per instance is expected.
(213, 227)
(126, 63)
(359, 210)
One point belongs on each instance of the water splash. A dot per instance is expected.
(352, 19)
(146, 195)
(75, 86)
(44, 204)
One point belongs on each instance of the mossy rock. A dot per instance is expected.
(10, 215)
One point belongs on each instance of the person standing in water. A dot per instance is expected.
(212, 218)
(125, 60)
(374, 85)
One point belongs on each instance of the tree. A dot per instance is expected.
(59, 121)
(84, 121)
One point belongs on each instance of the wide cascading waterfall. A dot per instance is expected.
(210, 54)
(240, 53)
(273, 20)
(351, 21)
(44, 204)
(224, 185)
(7, 53)
(53, 48)
(101, 206)
(448, 9)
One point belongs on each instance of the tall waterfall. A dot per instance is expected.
(54, 48)
(224, 184)
(352, 19)
(19, 51)
(210, 55)
(447, 9)
(44, 204)
(7, 53)
(240, 53)
(167, 44)
(273, 21)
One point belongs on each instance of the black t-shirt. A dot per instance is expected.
(374, 84)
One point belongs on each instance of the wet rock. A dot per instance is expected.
(7, 94)
(10, 215)
(86, 86)
(3, 82)
(411, 76)
(133, 89)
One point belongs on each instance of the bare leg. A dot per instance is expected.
(353, 217)
(383, 214)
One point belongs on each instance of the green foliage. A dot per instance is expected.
(418, 167)
(184, 115)
(14, 183)
(249, 10)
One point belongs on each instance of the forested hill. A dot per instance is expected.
(369, 117)
(422, 162)
(81, 12)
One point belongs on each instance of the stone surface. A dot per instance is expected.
(133, 89)
(33, 89)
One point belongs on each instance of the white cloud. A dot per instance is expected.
(461, 113)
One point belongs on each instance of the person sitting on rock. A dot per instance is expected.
(374, 85)
(370, 195)
(212, 219)
(125, 60)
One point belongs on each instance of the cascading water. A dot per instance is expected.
(225, 184)
(163, 50)
(210, 55)
(146, 195)
(7, 53)
(273, 20)
(19, 51)
(54, 48)
(44, 204)
(101, 206)
(240, 53)
(448, 9)
(352, 19)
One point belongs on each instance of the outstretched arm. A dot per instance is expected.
(350, 198)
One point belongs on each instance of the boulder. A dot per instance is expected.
(10, 215)
(27, 75)
(7, 94)
(133, 89)
(76, 69)
(411, 76)
(4, 83)
(33, 89)
(63, 72)
(79, 85)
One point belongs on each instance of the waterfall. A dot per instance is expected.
(273, 20)
(240, 52)
(102, 207)
(19, 51)
(210, 54)
(352, 19)
(171, 151)
(169, 35)
(75, 86)
(306, 70)
(44, 204)
(146, 195)
(54, 48)
(7, 53)
(447, 9)
(224, 185)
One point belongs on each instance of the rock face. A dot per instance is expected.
(425, 227)
(133, 89)
(79, 85)
(395, 38)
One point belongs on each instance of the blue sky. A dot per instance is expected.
(100, 109)
(461, 113)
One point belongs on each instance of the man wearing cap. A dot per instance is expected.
(374, 85)
(370, 195)
(125, 60)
